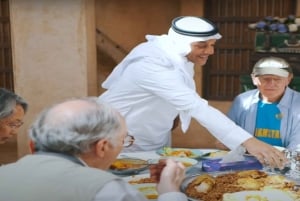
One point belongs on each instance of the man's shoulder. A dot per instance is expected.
(247, 94)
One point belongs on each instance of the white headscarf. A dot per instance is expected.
(189, 29)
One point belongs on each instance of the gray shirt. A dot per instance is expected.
(244, 108)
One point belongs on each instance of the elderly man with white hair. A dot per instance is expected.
(271, 112)
(76, 141)
(154, 84)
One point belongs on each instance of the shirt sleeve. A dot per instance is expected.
(118, 190)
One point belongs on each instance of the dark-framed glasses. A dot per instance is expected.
(128, 141)
(15, 125)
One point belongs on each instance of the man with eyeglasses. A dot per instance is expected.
(76, 141)
(12, 111)
(270, 112)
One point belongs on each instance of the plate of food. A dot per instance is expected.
(216, 186)
(217, 154)
(127, 166)
(187, 162)
(180, 152)
(144, 184)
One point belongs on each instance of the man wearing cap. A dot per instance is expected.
(270, 112)
(154, 84)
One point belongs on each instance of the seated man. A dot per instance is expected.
(12, 111)
(270, 112)
(77, 140)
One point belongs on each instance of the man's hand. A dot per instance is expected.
(169, 174)
(265, 153)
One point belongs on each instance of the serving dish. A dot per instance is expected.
(128, 166)
(213, 186)
(180, 152)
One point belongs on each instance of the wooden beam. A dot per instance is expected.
(111, 48)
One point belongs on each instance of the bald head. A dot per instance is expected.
(66, 111)
(73, 126)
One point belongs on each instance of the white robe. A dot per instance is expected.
(152, 85)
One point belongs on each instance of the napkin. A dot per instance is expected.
(234, 155)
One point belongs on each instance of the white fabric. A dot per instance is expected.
(118, 190)
(194, 24)
(154, 84)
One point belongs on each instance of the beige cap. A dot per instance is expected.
(272, 66)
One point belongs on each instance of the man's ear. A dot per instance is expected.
(255, 80)
(102, 147)
(290, 77)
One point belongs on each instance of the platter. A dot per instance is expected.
(180, 152)
(217, 154)
(209, 186)
(128, 166)
(148, 189)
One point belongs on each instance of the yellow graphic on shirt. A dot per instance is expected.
(260, 132)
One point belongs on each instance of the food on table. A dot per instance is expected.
(203, 183)
(127, 163)
(217, 154)
(168, 151)
(144, 184)
(187, 162)
(142, 180)
(206, 187)
(148, 191)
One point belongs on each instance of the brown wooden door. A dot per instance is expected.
(6, 69)
(232, 53)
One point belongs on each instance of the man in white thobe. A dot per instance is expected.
(154, 84)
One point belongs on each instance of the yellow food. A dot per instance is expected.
(149, 192)
(123, 164)
(167, 151)
(217, 154)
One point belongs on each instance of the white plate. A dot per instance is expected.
(268, 194)
(147, 189)
(136, 177)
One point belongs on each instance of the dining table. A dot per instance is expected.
(155, 155)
